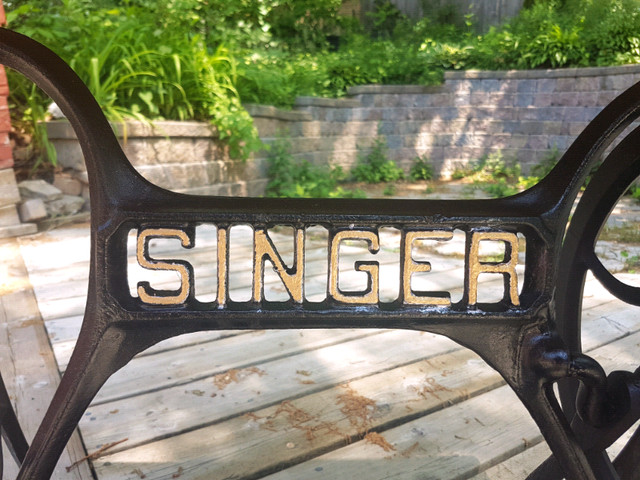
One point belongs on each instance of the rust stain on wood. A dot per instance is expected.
(379, 440)
(295, 417)
(222, 380)
(357, 408)
(432, 389)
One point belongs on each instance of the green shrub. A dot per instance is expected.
(540, 170)
(201, 59)
(389, 190)
(528, 182)
(493, 174)
(631, 262)
(137, 70)
(276, 77)
(421, 169)
(500, 189)
(384, 19)
(634, 191)
(494, 167)
(375, 167)
(303, 23)
(461, 171)
(568, 33)
(547, 163)
(302, 179)
(27, 106)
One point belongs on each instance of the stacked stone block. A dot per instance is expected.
(180, 156)
(525, 115)
(10, 224)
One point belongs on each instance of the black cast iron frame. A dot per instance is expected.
(532, 345)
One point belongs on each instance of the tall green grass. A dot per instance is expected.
(135, 69)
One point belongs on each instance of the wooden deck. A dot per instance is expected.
(325, 404)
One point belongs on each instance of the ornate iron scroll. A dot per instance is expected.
(531, 337)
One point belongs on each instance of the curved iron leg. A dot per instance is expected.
(92, 362)
(11, 430)
(628, 459)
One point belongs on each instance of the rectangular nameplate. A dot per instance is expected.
(292, 274)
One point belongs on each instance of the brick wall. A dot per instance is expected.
(10, 225)
(6, 159)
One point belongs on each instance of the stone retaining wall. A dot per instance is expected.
(180, 156)
(524, 114)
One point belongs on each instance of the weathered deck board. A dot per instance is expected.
(293, 430)
(443, 416)
(456, 442)
(519, 466)
(454, 376)
(186, 365)
(28, 366)
(188, 406)
(443, 444)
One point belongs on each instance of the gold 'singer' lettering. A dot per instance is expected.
(475, 267)
(291, 277)
(410, 266)
(370, 295)
(223, 266)
(145, 292)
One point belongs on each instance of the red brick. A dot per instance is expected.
(4, 86)
(5, 120)
(7, 163)
(6, 153)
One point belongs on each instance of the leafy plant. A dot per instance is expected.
(563, 33)
(631, 262)
(421, 169)
(137, 70)
(540, 170)
(500, 189)
(547, 163)
(527, 182)
(493, 167)
(461, 171)
(634, 191)
(304, 23)
(28, 103)
(385, 18)
(493, 174)
(375, 166)
(302, 179)
(276, 77)
(389, 190)
(201, 59)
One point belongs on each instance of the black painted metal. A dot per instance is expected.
(10, 428)
(533, 345)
